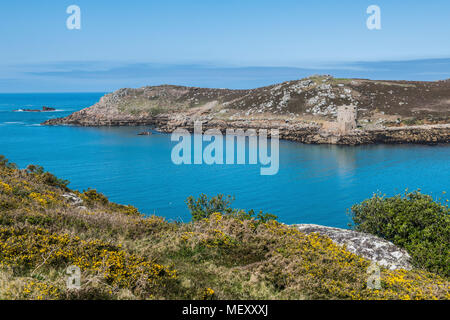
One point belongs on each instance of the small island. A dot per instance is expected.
(44, 109)
(314, 110)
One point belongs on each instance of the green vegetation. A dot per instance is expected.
(412, 122)
(139, 104)
(413, 221)
(227, 254)
(203, 208)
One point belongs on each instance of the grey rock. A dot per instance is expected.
(73, 199)
(371, 247)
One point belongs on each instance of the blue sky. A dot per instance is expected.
(212, 43)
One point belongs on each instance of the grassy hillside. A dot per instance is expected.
(44, 228)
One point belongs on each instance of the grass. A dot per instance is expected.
(139, 105)
(124, 255)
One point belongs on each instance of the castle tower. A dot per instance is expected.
(346, 119)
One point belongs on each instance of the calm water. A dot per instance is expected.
(315, 184)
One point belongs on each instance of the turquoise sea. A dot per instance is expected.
(315, 184)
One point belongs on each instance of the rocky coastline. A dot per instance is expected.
(316, 110)
(298, 132)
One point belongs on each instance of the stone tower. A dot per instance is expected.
(346, 119)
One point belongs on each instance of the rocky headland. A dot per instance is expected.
(315, 110)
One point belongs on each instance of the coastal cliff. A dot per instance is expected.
(311, 110)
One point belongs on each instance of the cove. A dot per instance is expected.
(315, 183)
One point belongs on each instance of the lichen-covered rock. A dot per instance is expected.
(73, 199)
(371, 247)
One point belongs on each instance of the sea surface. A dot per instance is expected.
(315, 184)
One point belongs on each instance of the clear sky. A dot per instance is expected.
(37, 50)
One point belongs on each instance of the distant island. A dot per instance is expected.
(44, 109)
(314, 110)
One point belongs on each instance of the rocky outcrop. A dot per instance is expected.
(145, 133)
(73, 199)
(44, 109)
(365, 245)
(293, 131)
(314, 134)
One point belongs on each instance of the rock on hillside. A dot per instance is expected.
(366, 245)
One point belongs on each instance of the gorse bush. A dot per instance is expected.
(6, 164)
(93, 199)
(413, 221)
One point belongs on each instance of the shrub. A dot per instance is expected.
(203, 208)
(92, 197)
(414, 222)
(35, 169)
(6, 164)
(51, 180)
